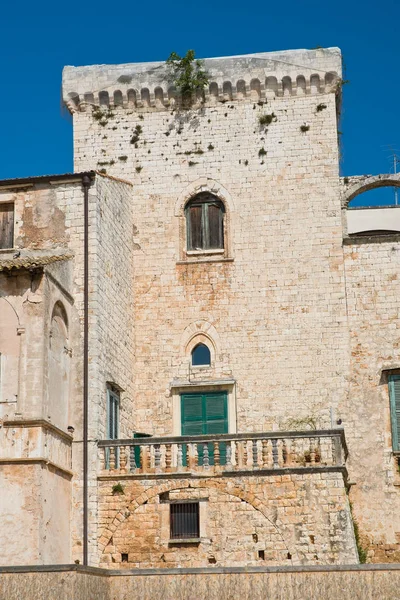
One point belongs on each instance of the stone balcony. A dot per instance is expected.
(224, 454)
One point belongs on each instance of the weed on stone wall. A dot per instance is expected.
(188, 76)
(362, 553)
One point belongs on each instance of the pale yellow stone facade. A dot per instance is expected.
(301, 320)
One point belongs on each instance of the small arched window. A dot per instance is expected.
(201, 356)
(205, 223)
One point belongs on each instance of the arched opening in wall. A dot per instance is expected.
(374, 212)
(330, 80)
(145, 96)
(59, 359)
(227, 90)
(287, 86)
(89, 98)
(131, 98)
(118, 99)
(315, 84)
(271, 86)
(301, 85)
(201, 356)
(104, 99)
(9, 352)
(213, 90)
(159, 97)
(388, 195)
(204, 223)
(241, 88)
(255, 89)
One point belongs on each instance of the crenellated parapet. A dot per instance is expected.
(253, 77)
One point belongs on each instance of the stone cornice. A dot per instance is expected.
(253, 77)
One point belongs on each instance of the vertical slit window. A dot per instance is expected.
(205, 223)
(185, 521)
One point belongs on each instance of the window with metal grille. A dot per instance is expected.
(6, 225)
(185, 521)
(205, 223)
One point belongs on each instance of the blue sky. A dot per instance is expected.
(38, 39)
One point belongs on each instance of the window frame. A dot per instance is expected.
(177, 533)
(394, 410)
(204, 200)
(113, 408)
(11, 224)
(200, 365)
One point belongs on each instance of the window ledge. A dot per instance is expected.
(205, 252)
(204, 259)
(184, 541)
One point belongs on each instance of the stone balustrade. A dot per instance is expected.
(211, 454)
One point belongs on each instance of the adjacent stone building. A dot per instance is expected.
(199, 338)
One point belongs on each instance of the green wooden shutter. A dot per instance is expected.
(394, 393)
(216, 413)
(205, 414)
(192, 414)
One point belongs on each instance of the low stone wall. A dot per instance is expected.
(53, 583)
(353, 582)
(283, 517)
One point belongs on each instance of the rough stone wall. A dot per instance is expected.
(292, 519)
(276, 300)
(373, 290)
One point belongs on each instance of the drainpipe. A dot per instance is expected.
(86, 183)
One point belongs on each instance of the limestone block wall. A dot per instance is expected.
(259, 520)
(275, 300)
(111, 327)
(373, 289)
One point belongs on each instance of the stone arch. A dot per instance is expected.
(369, 183)
(58, 367)
(200, 332)
(9, 351)
(149, 494)
(204, 184)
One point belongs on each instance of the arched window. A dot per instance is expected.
(201, 356)
(205, 223)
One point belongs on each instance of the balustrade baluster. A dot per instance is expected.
(112, 458)
(122, 458)
(180, 454)
(275, 459)
(206, 460)
(168, 457)
(217, 458)
(284, 453)
(255, 454)
(229, 454)
(132, 459)
(157, 457)
(244, 453)
(265, 453)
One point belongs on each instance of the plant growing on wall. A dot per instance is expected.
(187, 74)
